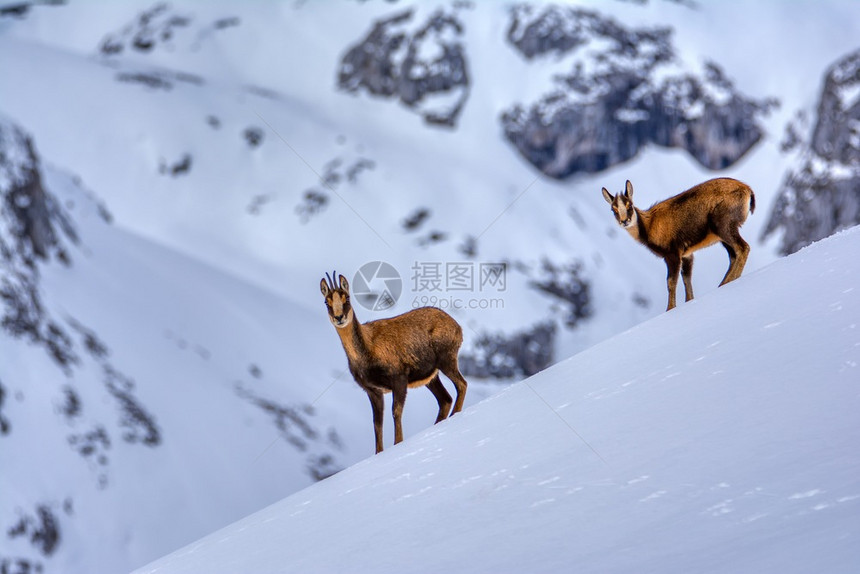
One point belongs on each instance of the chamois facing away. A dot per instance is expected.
(677, 227)
(391, 355)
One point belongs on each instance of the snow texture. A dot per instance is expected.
(720, 437)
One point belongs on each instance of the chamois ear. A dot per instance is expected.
(607, 196)
(344, 284)
(628, 191)
(324, 287)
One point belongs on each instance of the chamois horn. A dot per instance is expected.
(330, 280)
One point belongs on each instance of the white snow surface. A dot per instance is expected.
(719, 437)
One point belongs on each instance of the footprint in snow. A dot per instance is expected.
(549, 481)
(807, 494)
(724, 507)
(653, 496)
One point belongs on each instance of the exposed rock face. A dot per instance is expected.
(30, 215)
(30, 222)
(5, 425)
(154, 26)
(424, 68)
(822, 196)
(569, 286)
(526, 352)
(162, 27)
(41, 528)
(33, 229)
(502, 356)
(294, 423)
(625, 91)
(22, 9)
(336, 173)
(837, 134)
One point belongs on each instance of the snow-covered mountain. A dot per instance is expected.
(721, 438)
(176, 178)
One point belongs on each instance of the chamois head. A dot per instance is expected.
(622, 206)
(337, 300)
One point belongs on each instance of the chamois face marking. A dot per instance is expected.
(622, 206)
(337, 301)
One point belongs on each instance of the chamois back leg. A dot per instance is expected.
(673, 268)
(442, 397)
(377, 403)
(738, 250)
(451, 369)
(687, 274)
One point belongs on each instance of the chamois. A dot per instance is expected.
(391, 355)
(699, 217)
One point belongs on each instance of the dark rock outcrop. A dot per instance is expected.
(36, 231)
(294, 424)
(625, 91)
(822, 195)
(31, 226)
(41, 528)
(5, 425)
(182, 166)
(155, 26)
(22, 9)
(425, 69)
(31, 216)
(502, 356)
(569, 286)
(163, 27)
(336, 174)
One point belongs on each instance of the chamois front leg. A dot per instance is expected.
(377, 403)
(398, 400)
(687, 274)
(673, 268)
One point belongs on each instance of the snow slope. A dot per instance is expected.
(720, 437)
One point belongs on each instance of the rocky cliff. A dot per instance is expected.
(624, 89)
(30, 229)
(822, 194)
(423, 67)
